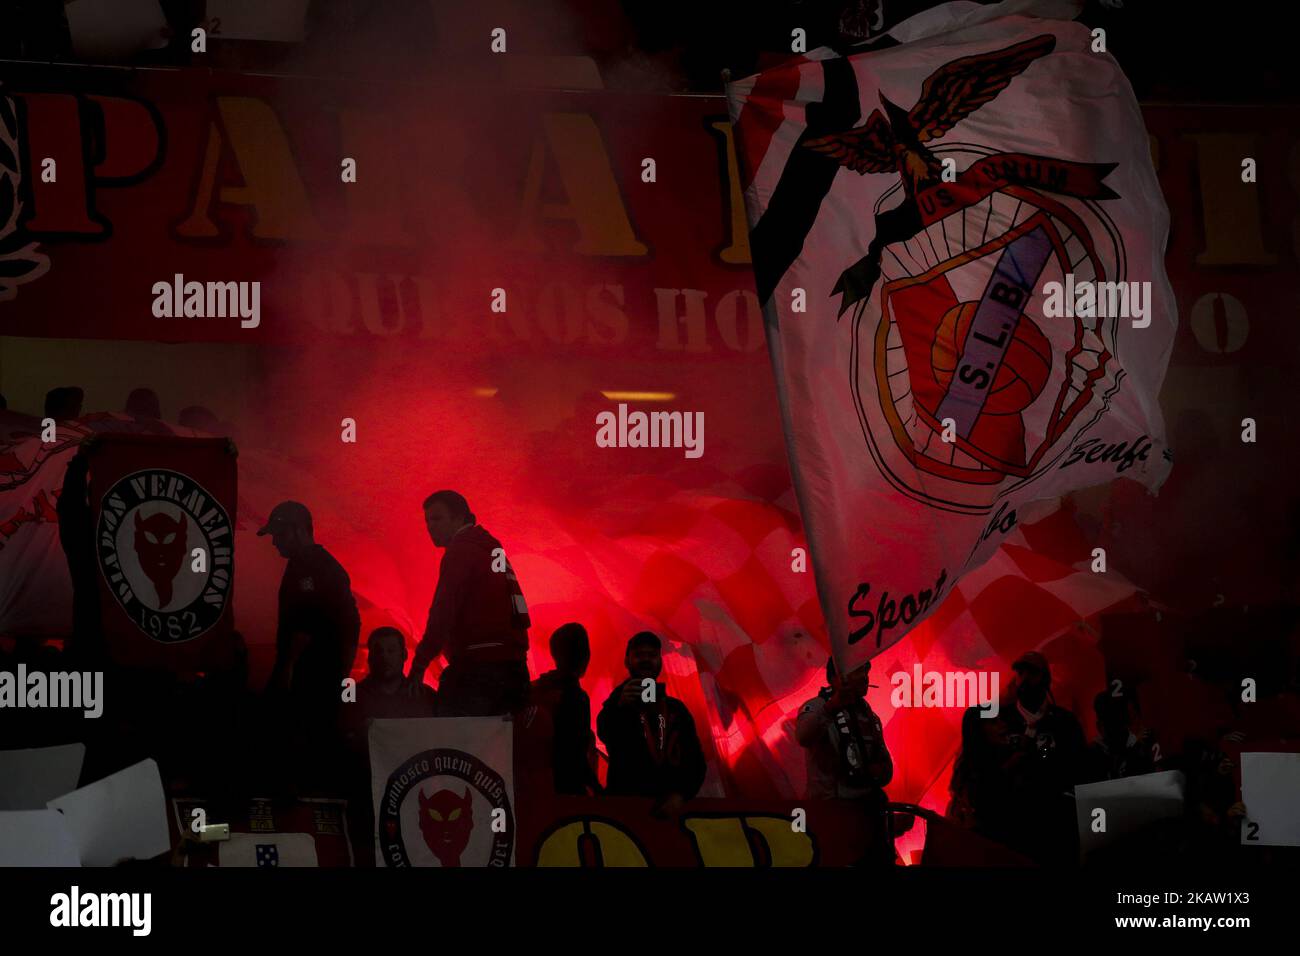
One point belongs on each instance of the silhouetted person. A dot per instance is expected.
(204, 419)
(77, 537)
(845, 751)
(478, 618)
(1053, 744)
(382, 694)
(650, 737)
(143, 403)
(561, 694)
(316, 636)
(534, 746)
(64, 404)
(981, 784)
(1122, 748)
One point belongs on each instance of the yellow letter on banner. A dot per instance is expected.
(594, 202)
(272, 188)
(721, 841)
(616, 846)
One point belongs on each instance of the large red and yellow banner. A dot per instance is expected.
(125, 184)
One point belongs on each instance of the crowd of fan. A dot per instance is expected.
(1175, 701)
(304, 734)
(1015, 777)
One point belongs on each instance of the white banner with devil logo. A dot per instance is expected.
(444, 791)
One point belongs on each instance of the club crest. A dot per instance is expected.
(964, 387)
(165, 549)
(439, 808)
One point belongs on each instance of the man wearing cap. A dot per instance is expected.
(1052, 744)
(316, 635)
(650, 737)
(845, 751)
(478, 619)
(844, 740)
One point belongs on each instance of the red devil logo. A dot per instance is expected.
(160, 547)
(446, 821)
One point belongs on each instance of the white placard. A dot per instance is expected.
(29, 779)
(1270, 789)
(115, 28)
(281, 21)
(1130, 804)
(444, 791)
(36, 838)
(122, 817)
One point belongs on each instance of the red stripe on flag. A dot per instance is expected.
(918, 310)
(751, 520)
(925, 634)
(1037, 567)
(1016, 615)
(663, 584)
(759, 121)
(1058, 536)
(754, 600)
(739, 676)
(811, 617)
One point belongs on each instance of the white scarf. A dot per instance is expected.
(1031, 719)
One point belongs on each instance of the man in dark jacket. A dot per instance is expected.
(844, 741)
(478, 619)
(846, 756)
(561, 694)
(315, 640)
(1123, 748)
(650, 737)
(1042, 783)
(381, 696)
(318, 628)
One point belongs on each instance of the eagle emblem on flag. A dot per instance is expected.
(958, 240)
(945, 301)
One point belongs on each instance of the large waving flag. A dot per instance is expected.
(958, 243)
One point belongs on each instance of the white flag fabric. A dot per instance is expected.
(958, 243)
(444, 791)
